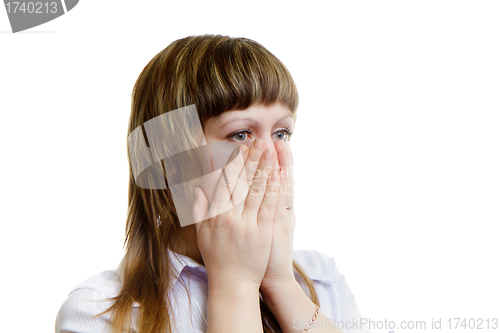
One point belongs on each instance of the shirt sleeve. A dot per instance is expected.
(77, 314)
(350, 315)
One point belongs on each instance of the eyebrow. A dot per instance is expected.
(238, 119)
(252, 120)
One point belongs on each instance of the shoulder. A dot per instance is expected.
(334, 293)
(107, 283)
(317, 265)
(79, 312)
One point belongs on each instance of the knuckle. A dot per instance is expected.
(274, 188)
(255, 191)
(267, 207)
(254, 159)
(224, 219)
(242, 182)
(281, 206)
(212, 213)
(226, 185)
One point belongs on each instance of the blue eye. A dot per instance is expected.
(244, 135)
(240, 136)
(283, 134)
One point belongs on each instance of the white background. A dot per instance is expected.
(396, 146)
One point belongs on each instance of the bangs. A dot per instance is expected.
(220, 74)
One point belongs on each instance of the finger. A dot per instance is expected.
(290, 180)
(287, 144)
(284, 157)
(258, 187)
(227, 180)
(200, 207)
(281, 148)
(281, 204)
(268, 207)
(248, 173)
(254, 158)
(286, 163)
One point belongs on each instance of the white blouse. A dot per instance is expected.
(89, 298)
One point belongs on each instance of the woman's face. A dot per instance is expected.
(269, 123)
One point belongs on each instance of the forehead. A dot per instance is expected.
(256, 113)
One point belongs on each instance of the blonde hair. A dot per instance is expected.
(217, 74)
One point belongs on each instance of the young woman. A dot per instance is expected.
(233, 268)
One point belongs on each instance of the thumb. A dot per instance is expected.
(200, 207)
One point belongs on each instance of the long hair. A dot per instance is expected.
(217, 74)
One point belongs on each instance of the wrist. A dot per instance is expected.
(273, 294)
(290, 304)
(233, 307)
(270, 286)
(232, 285)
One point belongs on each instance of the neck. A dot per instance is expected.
(188, 245)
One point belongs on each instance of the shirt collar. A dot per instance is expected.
(179, 262)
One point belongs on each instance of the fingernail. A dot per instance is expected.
(259, 144)
(268, 154)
